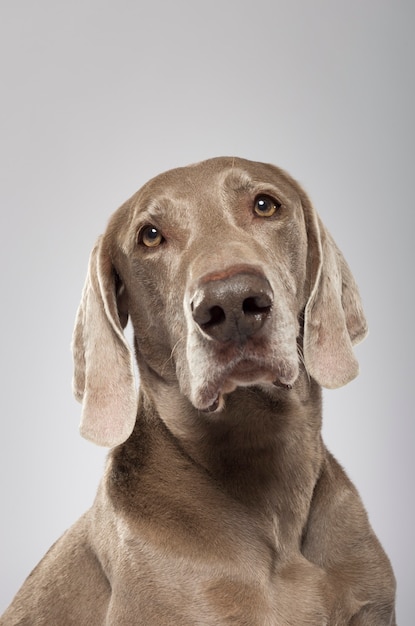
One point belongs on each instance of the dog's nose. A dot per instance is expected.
(232, 308)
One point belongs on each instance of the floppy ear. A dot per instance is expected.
(104, 372)
(333, 320)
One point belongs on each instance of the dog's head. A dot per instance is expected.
(229, 279)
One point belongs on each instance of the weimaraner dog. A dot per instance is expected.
(220, 504)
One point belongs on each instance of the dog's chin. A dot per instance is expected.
(211, 399)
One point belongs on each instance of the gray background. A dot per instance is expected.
(96, 97)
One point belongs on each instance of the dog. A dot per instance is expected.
(220, 504)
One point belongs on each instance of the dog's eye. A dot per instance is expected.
(150, 237)
(265, 206)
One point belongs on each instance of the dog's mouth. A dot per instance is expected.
(245, 372)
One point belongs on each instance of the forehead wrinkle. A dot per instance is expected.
(232, 184)
(154, 207)
(236, 180)
(283, 189)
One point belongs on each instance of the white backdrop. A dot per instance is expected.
(96, 97)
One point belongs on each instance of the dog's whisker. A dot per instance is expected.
(171, 357)
(300, 353)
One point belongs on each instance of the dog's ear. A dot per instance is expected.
(103, 363)
(333, 319)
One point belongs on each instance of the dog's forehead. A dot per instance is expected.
(215, 177)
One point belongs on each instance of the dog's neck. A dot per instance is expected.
(255, 447)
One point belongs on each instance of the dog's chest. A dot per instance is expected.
(193, 588)
(192, 552)
(214, 567)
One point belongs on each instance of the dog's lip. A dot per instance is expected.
(242, 373)
(249, 371)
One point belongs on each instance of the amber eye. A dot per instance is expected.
(265, 206)
(150, 237)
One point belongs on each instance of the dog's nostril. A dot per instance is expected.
(217, 316)
(256, 305)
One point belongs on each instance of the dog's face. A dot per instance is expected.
(213, 260)
(217, 265)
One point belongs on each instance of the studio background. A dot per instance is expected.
(97, 97)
